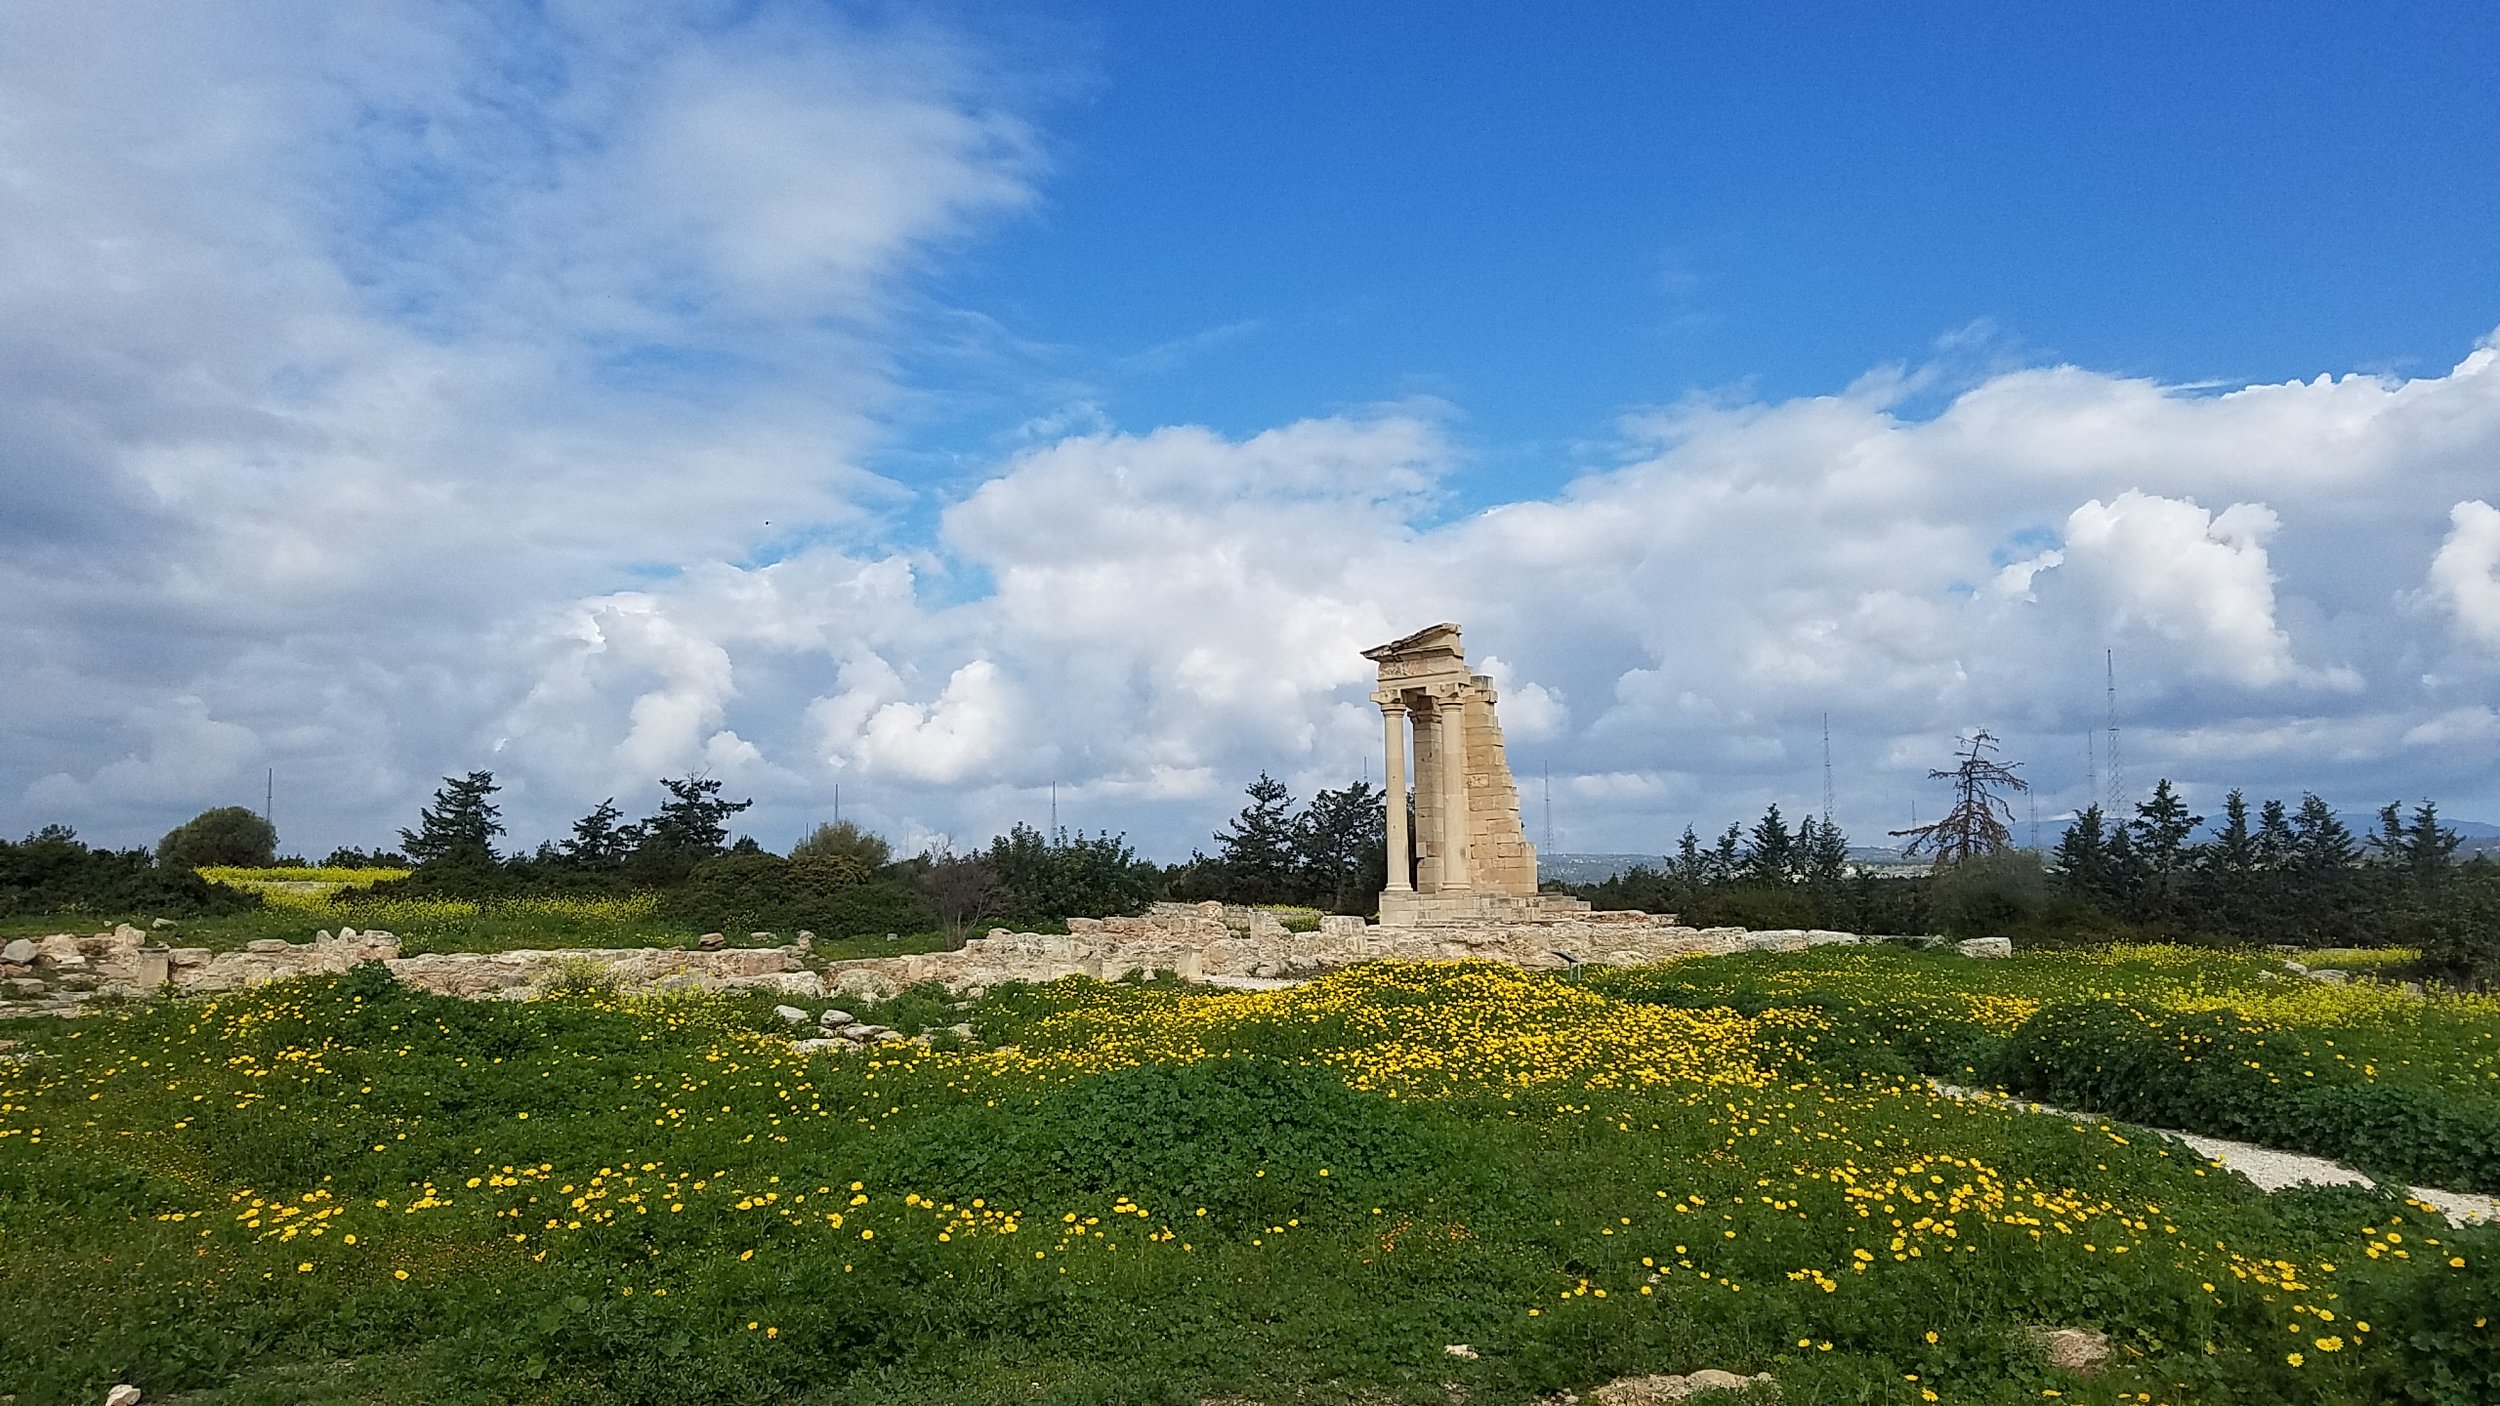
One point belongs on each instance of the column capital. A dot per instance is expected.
(1390, 702)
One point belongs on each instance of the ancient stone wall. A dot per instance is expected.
(1200, 942)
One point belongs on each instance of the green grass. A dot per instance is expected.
(1151, 1196)
(2228, 1044)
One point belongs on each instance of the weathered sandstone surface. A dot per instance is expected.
(1216, 943)
(1205, 942)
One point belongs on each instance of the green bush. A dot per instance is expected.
(53, 872)
(830, 897)
(2215, 1072)
(1990, 894)
(844, 840)
(228, 835)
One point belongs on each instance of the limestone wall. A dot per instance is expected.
(1209, 942)
(1202, 942)
(60, 972)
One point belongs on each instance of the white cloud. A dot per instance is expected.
(946, 740)
(2465, 574)
(2196, 579)
(1528, 711)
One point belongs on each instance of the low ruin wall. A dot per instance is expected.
(1203, 942)
(1228, 945)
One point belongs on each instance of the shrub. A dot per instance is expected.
(576, 976)
(53, 872)
(2459, 941)
(845, 841)
(1990, 894)
(762, 892)
(2219, 1072)
(228, 835)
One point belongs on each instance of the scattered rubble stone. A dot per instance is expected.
(1658, 1390)
(2081, 1351)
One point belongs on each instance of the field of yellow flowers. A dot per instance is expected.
(341, 1190)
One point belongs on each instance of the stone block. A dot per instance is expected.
(1985, 947)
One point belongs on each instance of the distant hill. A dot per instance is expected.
(1591, 868)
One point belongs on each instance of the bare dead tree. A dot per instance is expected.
(961, 887)
(1981, 822)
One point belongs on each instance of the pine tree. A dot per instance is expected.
(1726, 857)
(460, 826)
(691, 825)
(598, 841)
(2420, 848)
(1257, 849)
(2082, 856)
(1340, 844)
(2233, 849)
(2275, 843)
(1822, 852)
(1771, 855)
(2161, 829)
(1690, 866)
(2320, 842)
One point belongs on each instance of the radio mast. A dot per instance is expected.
(2117, 783)
(1827, 771)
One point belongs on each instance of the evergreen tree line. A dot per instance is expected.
(2272, 874)
(838, 881)
(2289, 874)
(1766, 876)
(1331, 854)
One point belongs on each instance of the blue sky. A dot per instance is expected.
(951, 402)
(1256, 213)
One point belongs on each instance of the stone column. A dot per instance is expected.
(1450, 721)
(1393, 776)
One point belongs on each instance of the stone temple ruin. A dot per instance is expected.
(1467, 860)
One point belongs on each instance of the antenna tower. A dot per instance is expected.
(1054, 809)
(2091, 769)
(2117, 784)
(1827, 771)
(269, 800)
(2035, 822)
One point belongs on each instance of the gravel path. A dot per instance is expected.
(2271, 1169)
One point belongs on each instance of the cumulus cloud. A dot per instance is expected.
(2195, 578)
(2465, 573)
